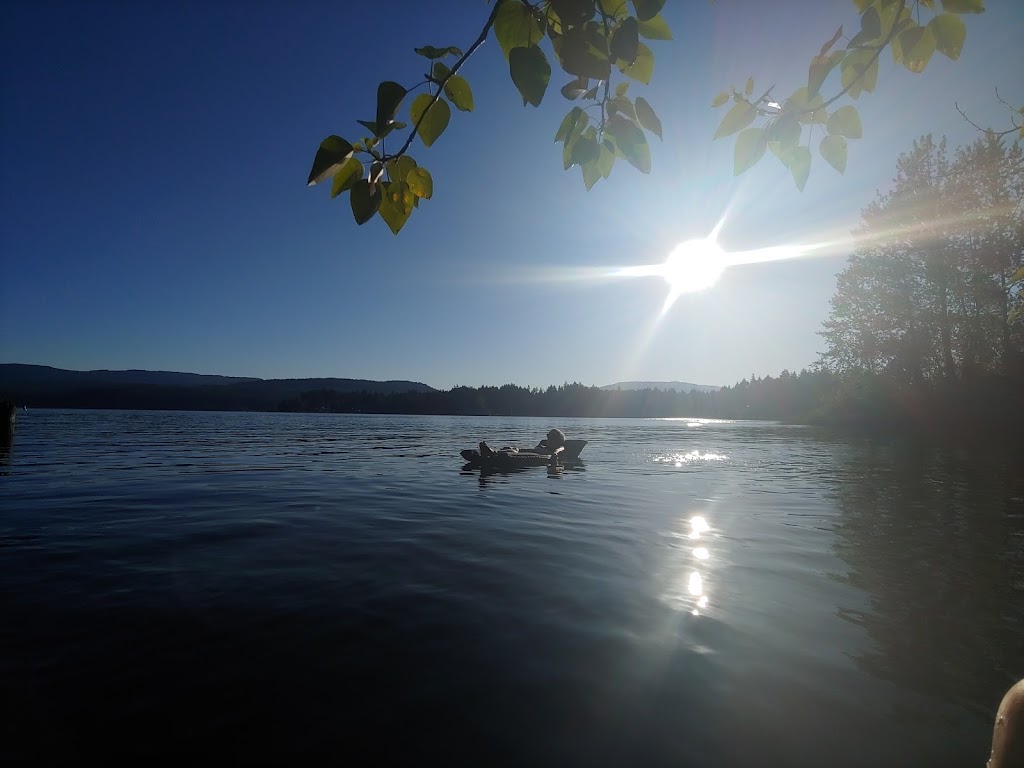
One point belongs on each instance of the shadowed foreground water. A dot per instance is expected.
(318, 586)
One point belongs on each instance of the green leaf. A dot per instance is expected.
(614, 8)
(389, 97)
(647, 117)
(606, 158)
(623, 105)
(845, 122)
(459, 93)
(625, 40)
(530, 73)
(736, 119)
(859, 72)
(918, 45)
(655, 29)
(833, 149)
(431, 52)
(807, 108)
(571, 124)
(333, 152)
(798, 160)
(584, 151)
(630, 141)
(583, 52)
(364, 205)
(642, 69)
(421, 183)
(870, 28)
(748, 89)
(720, 99)
(591, 171)
(963, 6)
(400, 167)
(785, 132)
(949, 32)
(622, 88)
(350, 172)
(515, 26)
(647, 9)
(432, 119)
(572, 13)
(396, 204)
(820, 68)
(750, 147)
(1017, 276)
(575, 88)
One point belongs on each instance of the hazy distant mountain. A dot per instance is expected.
(43, 386)
(678, 386)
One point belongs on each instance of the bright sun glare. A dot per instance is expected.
(694, 266)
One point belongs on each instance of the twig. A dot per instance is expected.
(444, 81)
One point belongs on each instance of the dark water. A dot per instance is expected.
(320, 587)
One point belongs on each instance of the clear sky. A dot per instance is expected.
(154, 214)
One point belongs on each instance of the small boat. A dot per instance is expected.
(525, 457)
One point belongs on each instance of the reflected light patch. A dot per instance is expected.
(698, 525)
(701, 553)
(695, 585)
(703, 602)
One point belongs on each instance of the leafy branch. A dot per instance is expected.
(893, 24)
(587, 37)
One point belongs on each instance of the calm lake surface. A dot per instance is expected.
(317, 586)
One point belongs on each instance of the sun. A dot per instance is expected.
(694, 265)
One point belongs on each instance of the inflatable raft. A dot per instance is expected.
(512, 458)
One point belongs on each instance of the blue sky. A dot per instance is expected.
(153, 212)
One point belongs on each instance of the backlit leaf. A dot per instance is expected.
(949, 32)
(845, 121)
(748, 89)
(630, 141)
(420, 183)
(833, 149)
(584, 151)
(431, 52)
(389, 96)
(396, 204)
(648, 119)
(530, 73)
(364, 205)
(655, 29)
(575, 121)
(515, 26)
(720, 99)
(583, 52)
(798, 160)
(963, 6)
(750, 147)
(918, 45)
(647, 9)
(736, 119)
(859, 72)
(459, 92)
(625, 40)
(432, 119)
(350, 172)
(642, 69)
(333, 152)
(575, 88)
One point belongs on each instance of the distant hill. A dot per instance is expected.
(43, 386)
(678, 386)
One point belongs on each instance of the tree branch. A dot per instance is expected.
(444, 81)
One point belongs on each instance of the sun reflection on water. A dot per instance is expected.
(679, 459)
(688, 588)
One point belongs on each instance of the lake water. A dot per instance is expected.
(316, 586)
